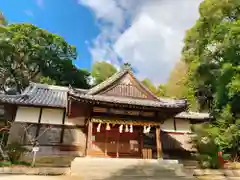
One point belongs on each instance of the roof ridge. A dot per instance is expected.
(165, 99)
(53, 87)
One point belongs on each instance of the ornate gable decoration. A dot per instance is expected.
(125, 87)
(123, 84)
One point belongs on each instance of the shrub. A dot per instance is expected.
(14, 151)
(5, 163)
(207, 149)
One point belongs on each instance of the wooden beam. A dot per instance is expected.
(158, 142)
(63, 122)
(39, 123)
(141, 143)
(174, 124)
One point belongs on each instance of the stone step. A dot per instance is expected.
(119, 167)
(114, 169)
(122, 166)
(125, 164)
(129, 175)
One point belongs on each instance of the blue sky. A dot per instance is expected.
(74, 22)
(148, 34)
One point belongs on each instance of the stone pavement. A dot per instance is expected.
(29, 177)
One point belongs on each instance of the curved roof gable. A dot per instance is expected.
(124, 84)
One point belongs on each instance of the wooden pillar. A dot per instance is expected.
(141, 144)
(105, 142)
(89, 137)
(118, 138)
(158, 142)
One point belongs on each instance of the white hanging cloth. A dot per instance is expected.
(131, 128)
(108, 127)
(126, 128)
(99, 127)
(144, 129)
(148, 129)
(120, 128)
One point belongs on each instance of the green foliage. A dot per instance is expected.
(14, 151)
(47, 80)
(211, 51)
(175, 87)
(207, 149)
(9, 163)
(5, 163)
(101, 71)
(147, 82)
(161, 91)
(28, 53)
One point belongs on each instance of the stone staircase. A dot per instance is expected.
(128, 169)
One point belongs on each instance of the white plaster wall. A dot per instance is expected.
(168, 125)
(52, 116)
(183, 125)
(27, 114)
(75, 121)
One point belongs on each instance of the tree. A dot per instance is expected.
(147, 82)
(28, 53)
(176, 86)
(47, 80)
(3, 20)
(161, 91)
(211, 51)
(101, 70)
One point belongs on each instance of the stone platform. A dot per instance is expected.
(127, 169)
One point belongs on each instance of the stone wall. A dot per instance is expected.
(50, 141)
(217, 174)
(35, 171)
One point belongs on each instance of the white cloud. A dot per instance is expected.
(147, 34)
(29, 13)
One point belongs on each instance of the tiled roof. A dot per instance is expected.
(115, 77)
(56, 96)
(130, 101)
(39, 95)
(193, 115)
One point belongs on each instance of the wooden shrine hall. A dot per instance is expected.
(119, 114)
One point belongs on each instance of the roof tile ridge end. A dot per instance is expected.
(29, 91)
